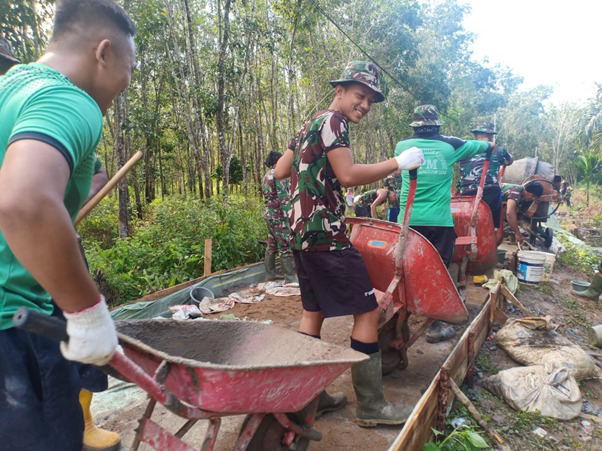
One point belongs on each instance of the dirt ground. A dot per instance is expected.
(338, 429)
(575, 314)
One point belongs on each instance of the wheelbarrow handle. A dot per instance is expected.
(40, 324)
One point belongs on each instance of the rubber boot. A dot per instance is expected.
(330, 403)
(96, 439)
(439, 331)
(372, 407)
(594, 290)
(270, 265)
(288, 270)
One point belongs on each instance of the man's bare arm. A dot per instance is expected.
(512, 216)
(380, 199)
(283, 166)
(350, 174)
(99, 180)
(37, 226)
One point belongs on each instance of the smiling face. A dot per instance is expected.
(354, 100)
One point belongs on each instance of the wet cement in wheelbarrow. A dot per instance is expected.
(120, 412)
(239, 344)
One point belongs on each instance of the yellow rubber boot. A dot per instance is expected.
(96, 439)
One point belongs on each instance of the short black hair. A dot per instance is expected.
(71, 13)
(535, 188)
(272, 158)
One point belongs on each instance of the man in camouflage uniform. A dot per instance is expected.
(472, 168)
(431, 213)
(393, 184)
(366, 203)
(277, 205)
(514, 195)
(7, 57)
(332, 276)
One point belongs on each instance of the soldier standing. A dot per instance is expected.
(431, 214)
(333, 278)
(472, 168)
(277, 206)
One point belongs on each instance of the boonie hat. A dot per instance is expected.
(485, 127)
(363, 72)
(425, 115)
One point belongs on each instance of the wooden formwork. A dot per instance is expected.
(431, 409)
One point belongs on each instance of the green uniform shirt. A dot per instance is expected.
(37, 102)
(366, 199)
(512, 192)
(433, 185)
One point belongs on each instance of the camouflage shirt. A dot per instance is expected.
(512, 192)
(318, 205)
(366, 199)
(276, 196)
(393, 184)
(472, 168)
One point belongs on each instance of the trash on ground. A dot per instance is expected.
(540, 432)
(504, 275)
(480, 279)
(535, 341)
(552, 391)
(185, 311)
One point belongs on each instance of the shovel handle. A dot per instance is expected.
(40, 324)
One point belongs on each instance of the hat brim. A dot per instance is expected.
(9, 57)
(379, 96)
(485, 133)
(425, 123)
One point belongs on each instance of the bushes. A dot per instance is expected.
(168, 248)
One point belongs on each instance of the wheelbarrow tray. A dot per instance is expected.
(429, 290)
(232, 367)
(486, 258)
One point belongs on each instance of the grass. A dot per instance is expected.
(484, 362)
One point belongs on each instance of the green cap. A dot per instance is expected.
(484, 127)
(363, 72)
(425, 115)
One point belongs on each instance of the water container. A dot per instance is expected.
(548, 266)
(530, 267)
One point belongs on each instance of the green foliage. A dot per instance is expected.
(461, 439)
(527, 421)
(169, 248)
(582, 259)
(101, 225)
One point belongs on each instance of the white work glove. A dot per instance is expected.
(356, 198)
(410, 158)
(92, 335)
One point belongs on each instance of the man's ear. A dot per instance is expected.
(339, 89)
(103, 50)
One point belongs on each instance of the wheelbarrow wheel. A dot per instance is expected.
(269, 435)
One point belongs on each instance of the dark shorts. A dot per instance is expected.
(492, 195)
(362, 212)
(443, 238)
(39, 395)
(334, 282)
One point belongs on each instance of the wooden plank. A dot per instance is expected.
(417, 430)
(208, 256)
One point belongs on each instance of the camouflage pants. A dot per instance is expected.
(279, 237)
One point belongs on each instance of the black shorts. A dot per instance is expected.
(443, 238)
(362, 212)
(492, 195)
(334, 282)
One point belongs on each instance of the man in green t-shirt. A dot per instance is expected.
(50, 123)
(431, 213)
(332, 275)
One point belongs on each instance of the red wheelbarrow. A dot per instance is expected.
(477, 241)
(408, 276)
(211, 369)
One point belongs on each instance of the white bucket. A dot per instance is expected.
(530, 266)
(548, 266)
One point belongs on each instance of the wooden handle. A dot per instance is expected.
(86, 209)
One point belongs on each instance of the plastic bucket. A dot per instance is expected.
(548, 266)
(501, 257)
(580, 285)
(530, 267)
(198, 293)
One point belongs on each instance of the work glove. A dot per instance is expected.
(92, 335)
(410, 158)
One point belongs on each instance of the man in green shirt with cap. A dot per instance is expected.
(431, 213)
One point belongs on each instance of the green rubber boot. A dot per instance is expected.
(288, 270)
(330, 403)
(270, 265)
(372, 407)
(594, 290)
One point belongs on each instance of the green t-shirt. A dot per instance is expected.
(37, 102)
(433, 185)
